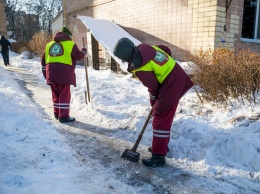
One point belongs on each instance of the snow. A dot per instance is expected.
(209, 141)
(108, 33)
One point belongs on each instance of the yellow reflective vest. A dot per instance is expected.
(59, 52)
(162, 64)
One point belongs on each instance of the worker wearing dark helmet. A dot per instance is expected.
(166, 81)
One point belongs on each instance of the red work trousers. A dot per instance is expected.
(61, 99)
(161, 130)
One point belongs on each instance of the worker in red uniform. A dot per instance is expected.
(166, 81)
(58, 68)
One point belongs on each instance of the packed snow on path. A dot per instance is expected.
(206, 140)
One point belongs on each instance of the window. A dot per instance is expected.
(251, 21)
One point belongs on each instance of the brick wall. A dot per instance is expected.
(153, 23)
(233, 20)
(183, 25)
(3, 29)
(204, 21)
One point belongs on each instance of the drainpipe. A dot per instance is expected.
(228, 2)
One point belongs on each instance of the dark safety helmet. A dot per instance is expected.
(123, 49)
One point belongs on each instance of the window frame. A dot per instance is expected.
(255, 39)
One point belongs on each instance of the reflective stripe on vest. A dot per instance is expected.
(162, 64)
(59, 52)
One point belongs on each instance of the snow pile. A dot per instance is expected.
(206, 140)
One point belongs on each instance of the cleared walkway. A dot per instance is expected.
(107, 150)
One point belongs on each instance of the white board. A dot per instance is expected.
(107, 33)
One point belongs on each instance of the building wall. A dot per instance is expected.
(154, 23)
(57, 24)
(204, 21)
(3, 28)
(183, 25)
(233, 19)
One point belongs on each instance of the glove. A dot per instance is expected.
(152, 100)
(84, 50)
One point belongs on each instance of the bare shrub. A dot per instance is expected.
(39, 41)
(223, 74)
(20, 47)
(250, 66)
(35, 47)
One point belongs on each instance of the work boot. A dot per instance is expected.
(56, 117)
(154, 161)
(67, 119)
(150, 149)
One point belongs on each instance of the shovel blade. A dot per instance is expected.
(131, 155)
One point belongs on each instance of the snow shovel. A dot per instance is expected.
(132, 155)
(87, 93)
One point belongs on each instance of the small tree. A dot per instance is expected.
(12, 11)
(29, 16)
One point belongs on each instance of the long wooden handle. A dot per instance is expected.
(86, 70)
(142, 131)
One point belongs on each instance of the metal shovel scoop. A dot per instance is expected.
(132, 155)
